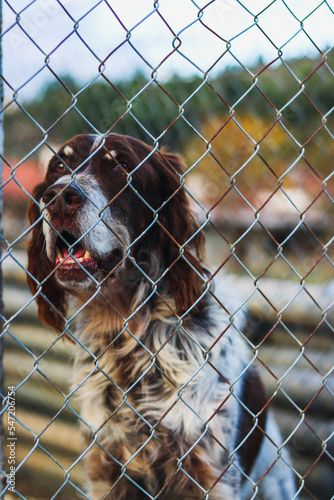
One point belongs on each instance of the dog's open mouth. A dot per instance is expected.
(75, 263)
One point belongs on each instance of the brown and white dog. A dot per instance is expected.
(171, 407)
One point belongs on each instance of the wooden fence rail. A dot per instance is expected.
(40, 402)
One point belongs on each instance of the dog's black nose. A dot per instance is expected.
(63, 198)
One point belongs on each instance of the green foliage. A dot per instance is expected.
(178, 111)
(268, 133)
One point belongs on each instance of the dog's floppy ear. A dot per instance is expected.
(185, 275)
(51, 300)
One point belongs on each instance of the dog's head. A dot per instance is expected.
(104, 209)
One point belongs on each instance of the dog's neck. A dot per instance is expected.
(124, 312)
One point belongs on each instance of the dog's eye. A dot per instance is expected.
(60, 167)
(121, 167)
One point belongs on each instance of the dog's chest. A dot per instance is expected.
(113, 388)
(144, 384)
(129, 399)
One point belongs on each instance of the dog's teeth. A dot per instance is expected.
(72, 259)
(84, 257)
(60, 255)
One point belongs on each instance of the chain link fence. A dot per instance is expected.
(244, 91)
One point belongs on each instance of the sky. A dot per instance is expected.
(166, 37)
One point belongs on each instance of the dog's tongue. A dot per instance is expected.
(77, 254)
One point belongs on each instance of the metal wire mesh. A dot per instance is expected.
(254, 121)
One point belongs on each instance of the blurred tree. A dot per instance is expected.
(180, 111)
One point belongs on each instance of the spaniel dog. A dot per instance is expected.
(171, 407)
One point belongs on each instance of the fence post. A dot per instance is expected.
(2, 464)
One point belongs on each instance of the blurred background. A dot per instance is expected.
(244, 92)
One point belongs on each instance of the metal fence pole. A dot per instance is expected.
(2, 478)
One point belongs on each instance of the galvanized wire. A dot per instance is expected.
(253, 21)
